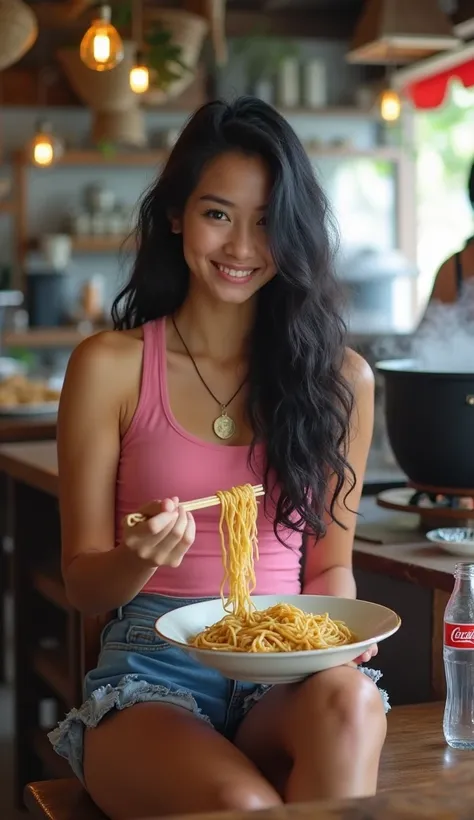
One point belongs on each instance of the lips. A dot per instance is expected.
(236, 274)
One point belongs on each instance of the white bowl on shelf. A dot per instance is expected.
(372, 623)
(455, 540)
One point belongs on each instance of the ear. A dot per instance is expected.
(175, 223)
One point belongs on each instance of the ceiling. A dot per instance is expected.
(311, 18)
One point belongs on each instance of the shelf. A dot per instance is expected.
(144, 159)
(51, 667)
(132, 159)
(50, 586)
(6, 206)
(46, 337)
(54, 764)
(342, 111)
(98, 244)
(386, 152)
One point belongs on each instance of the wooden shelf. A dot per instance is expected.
(389, 152)
(54, 764)
(50, 666)
(50, 586)
(46, 337)
(342, 111)
(107, 243)
(132, 159)
(98, 244)
(6, 206)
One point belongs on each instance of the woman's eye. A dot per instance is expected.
(262, 222)
(214, 214)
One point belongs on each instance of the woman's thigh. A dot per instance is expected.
(157, 759)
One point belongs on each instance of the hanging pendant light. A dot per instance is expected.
(45, 147)
(390, 105)
(139, 75)
(101, 47)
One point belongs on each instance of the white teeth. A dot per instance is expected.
(238, 274)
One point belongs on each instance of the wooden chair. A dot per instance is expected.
(414, 753)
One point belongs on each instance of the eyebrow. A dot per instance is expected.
(226, 202)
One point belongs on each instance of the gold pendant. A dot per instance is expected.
(224, 426)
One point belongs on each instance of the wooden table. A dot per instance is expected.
(34, 428)
(419, 777)
(405, 573)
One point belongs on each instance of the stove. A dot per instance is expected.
(435, 506)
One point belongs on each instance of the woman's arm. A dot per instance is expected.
(328, 563)
(98, 383)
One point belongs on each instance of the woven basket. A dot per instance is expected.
(18, 31)
(188, 31)
(115, 107)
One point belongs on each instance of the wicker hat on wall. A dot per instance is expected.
(18, 31)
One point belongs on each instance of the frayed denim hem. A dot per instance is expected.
(68, 738)
(375, 675)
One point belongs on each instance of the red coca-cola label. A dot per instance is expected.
(459, 636)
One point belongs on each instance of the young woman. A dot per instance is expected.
(458, 268)
(227, 365)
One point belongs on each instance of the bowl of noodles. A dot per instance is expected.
(343, 629)
(269, 639)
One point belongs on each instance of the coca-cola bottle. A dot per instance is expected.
(458, 653)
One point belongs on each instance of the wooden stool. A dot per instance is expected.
(414, 753)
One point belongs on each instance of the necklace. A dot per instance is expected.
(224, 425)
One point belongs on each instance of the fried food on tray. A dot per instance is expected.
(18, 389)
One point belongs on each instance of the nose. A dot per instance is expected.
(240, 243)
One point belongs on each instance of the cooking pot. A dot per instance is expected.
(430, 423)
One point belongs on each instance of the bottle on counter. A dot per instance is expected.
(458, 653)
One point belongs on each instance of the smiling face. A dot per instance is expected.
(224, 228)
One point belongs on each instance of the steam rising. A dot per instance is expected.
(444, 341)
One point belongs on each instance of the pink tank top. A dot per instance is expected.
(160, 459)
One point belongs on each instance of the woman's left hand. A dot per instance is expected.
(366, 656)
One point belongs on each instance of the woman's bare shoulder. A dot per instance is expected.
(109, 358)
(357, 371)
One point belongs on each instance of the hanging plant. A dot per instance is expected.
(164, 56)
(264, 53)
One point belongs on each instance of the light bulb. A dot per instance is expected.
(139, 75)
(43, 147)
(101, 47)
(390, 105)
(43, 150)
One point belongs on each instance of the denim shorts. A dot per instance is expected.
(136, 666)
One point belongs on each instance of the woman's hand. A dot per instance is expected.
(164, 538)
(371, 652)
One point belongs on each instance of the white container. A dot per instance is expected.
(265, 90)
(315, 84)
(56, 249)
(289, 83)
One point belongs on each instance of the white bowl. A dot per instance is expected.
(372, 623)
(456, 540)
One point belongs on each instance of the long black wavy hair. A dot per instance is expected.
(470, 185)
(299, 403)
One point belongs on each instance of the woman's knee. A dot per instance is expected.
(346, 696)
(245, 796)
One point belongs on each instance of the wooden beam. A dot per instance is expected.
(20, 87)
(294, 23)
(276, 5)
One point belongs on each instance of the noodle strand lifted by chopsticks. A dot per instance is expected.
(280, 628)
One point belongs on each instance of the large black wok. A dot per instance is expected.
(430, 423)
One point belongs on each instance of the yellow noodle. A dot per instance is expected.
(280, 628)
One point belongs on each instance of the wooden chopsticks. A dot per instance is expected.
(190, 506)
